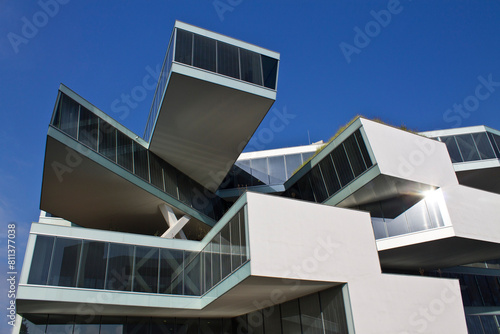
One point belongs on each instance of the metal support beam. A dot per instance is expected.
(174, 225)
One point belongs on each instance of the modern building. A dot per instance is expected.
(379, 230)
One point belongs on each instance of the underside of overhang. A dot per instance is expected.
(435, 254)
(91, 195)
(203, 127)
(251, 294)
(487, 179)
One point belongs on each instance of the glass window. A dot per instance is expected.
(362, 147)
(259, 169)
(120, 262)
(225, 237)
(216, 264)
(269, 71)
(207, 268)
(184, 47)
(397, 226)
(235, 242)
(65, 260)
(171, 269)
(495, 142)
(307, 155)
(156, 171)
(170, 175)
(163, 325)
(36, 324)
(93, 265)
(88, 128)
(244, 254)
(192, 276)
(250, 67)
(255, 322)
(124, 151)
(329, 175)
(146, 269)
(112, 325)
(333, 308)
(185, 188)
(489, 324)
(483, 145)
(87, 324)
(293, 161)
(210, 326)
(277, 173)
(107, 140)
(141, 167)
(40, 262)
(305, 188)
(187, 326)
(434, 213)
(204, 53)
(452, 147)
(318, 185)
(137, 325)
(467, 147)
(67, 117)
(342, 165)
(290, 317)
(418, 218)
(272, 319)
(378, 225)
(60, 324)
(227, 60)
(354, 155)
(310, 314)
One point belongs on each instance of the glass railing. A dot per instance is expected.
(89, 264)
(472, 146)
(424, 215)
(87, 128)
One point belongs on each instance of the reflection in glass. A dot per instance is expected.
(146, 269)
(184, 46)
(452, 147)
(483, 145)
(227, 60)
(342, 165)
(40, 263)
(467, 147)
(250, 67)
(88, 128)
(120, 262)
(93, 265)
(204, 53)
(65, 259)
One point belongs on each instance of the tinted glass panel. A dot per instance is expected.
(227, 60)
(156, 171)
(124, 151)
(329, 175)
(119, 273)
(225, 249)
(364, 150)
(342, 165)
(185, 188)
(192, 275)
(171, 270)
(305, 188)
(467, 147)
(170, 175)
(495, 142)
(277, 173)
(311, 314)
(293, 161)
(259, 169)
(452, 147)
(207, 268)
(290, 317)
(354, 154)
(255, 322)
(210, 326)
(483, 145)
(146, 269)
(107, 140)
(204, 53)
(250, 67)
(235, 242)
(318, 184)
(141, 167)
(184, 47)
(269, 71)
(272, 319)
(40, 263)
(93, 265)
(68, 119)
(244, 254)
(333, 307)
(216, 267)
(64, 266)
(88, 128)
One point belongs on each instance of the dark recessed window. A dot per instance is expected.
(184, 47)
(227, 60)
(251, 70)
(452, 147)
(269, 71)
(204, 53)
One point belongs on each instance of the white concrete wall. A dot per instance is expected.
(409, 156)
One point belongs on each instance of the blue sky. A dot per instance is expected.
(411, 62)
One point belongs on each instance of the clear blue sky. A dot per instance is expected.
(411, 68)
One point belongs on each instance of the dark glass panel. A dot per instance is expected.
(137, 325)
(141, 167)
(255, 322)
(184, 47)
(250, 67)
(170, 174)
(333, 308)
(269, 71)
(329, 175)
(305, 188)
(36, 324)
(311, 314)
(354, 155)
(211, 326)
(171, 270)
(483, 145)
(227, 325)
(235, 242)
(227, 60)
(185, 189)
(225, 235)
(88, 128)
(272, 319)
(467, 147)
(260, 170)
(216, 264)
(204, 53)
(93, 265)
(489, 324)
(293, 192)
(451, 146)
(192, 276)
(277, 173)
(107, 140)
(87, 324)
(342, 165)
(240, 324)
(364, 150)
(495, 142)
(187, 326)
(146, 269)
(119, 271)
(124, 151)
(290, 317)
(494, 288)
(471, 289)
(68, 119)
(112, 325)
(474, 325)
(207, 268)
(293, 162)
(156, 171)
(318, 185)
(60, 324)
(40, 262)
(244, 254)
(163, 326)
(65, 260)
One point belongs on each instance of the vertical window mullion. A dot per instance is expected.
(79, 263)
(349, 161)
(361, 153)
(51, 259)
(336, 173)
(459, 150)
(107, 265)
(475, 145)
